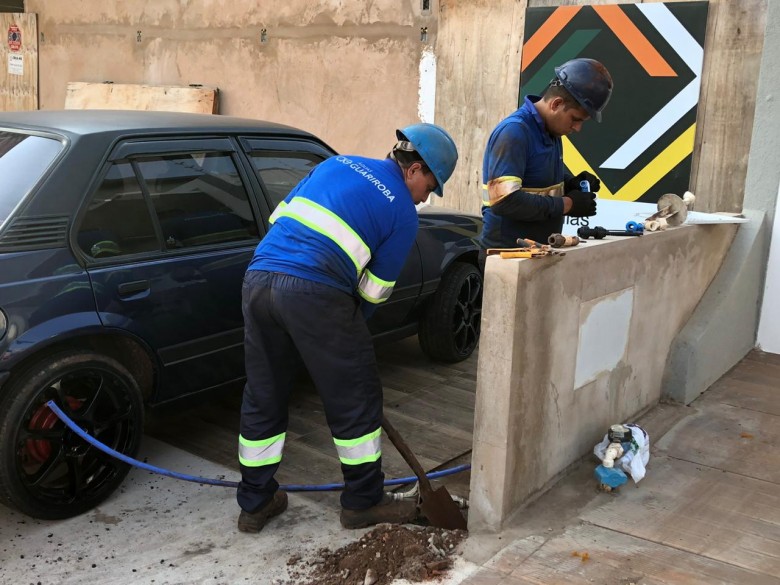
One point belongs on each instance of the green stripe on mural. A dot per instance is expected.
(570, 49)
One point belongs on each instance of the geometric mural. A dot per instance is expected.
(654, 52)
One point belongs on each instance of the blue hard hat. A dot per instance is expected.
(436, 147)
(588, 82)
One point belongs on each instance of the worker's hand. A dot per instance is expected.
(573, 184)
(583, 204)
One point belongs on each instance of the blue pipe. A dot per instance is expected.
(294, 487)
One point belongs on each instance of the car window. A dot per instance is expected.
(118, 220)
(23, 161)
(280, 171)
(199, 199)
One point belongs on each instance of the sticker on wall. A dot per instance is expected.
(15, 64)
(654, 51)
(14, 38)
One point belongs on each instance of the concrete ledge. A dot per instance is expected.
(722, 329)
(572, 344)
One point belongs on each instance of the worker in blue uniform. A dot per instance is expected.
(526, 192)
(334, 251)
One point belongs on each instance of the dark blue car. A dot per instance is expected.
(124, 237)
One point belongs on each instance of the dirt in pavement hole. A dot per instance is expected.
(386, 553)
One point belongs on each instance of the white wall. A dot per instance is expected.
(769, 323)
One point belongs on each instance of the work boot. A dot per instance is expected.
(387, 510)
(254, 521)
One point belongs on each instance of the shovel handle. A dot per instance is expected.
(398, 442)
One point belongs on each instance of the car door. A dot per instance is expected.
(279, 165)
(167, 237)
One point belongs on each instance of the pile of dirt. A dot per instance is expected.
(386, 553)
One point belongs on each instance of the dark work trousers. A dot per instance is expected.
(286, 317)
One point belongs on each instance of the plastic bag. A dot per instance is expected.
(637, 452)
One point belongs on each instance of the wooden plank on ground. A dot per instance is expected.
(127, 96)
(584, 555)
(718, 515)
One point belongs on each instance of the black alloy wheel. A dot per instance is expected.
(46, 470)
(449, 329)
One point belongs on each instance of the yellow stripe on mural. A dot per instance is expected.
(659, 167)
(577, 163)
(640, 183)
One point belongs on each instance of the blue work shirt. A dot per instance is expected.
(350, 224)
(521, 153)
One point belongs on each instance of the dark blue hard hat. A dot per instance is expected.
(588, 82)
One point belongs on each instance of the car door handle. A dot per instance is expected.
(127, 289)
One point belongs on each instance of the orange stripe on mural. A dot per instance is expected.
(635, 41)
(545, 33)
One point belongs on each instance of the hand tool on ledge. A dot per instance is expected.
(525, 252)
(672, 211)
(599, 233)
(561, 241)
(526, 249)
(437, 505)
(634, 226)
(534, 245)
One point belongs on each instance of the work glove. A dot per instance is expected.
(573, 184)
(583, 204)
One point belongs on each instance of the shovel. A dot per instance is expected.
(437, 505)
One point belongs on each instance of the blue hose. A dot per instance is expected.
(221, 482)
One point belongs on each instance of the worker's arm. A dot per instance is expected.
(524, 206)
(506, 166)
(378, 279)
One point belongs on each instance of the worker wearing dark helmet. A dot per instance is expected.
(526, 191)
(334, 251)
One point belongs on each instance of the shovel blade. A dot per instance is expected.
(441, 510)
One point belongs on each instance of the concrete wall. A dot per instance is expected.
(722, 329)
(351, 71)
(572, 345)
(347, 71)
(724, 326)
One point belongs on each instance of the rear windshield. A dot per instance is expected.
(23, 160)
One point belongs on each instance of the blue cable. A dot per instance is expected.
(221, 482)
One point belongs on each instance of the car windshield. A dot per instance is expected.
(23, 160)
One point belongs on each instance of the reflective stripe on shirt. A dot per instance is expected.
(325, 222)
(365, 449)
(262, 452)
(499, 188)
(374, 289)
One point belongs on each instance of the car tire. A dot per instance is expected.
(46, 470)
(449, 329)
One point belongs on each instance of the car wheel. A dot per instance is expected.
(449, 328)
(46, 470)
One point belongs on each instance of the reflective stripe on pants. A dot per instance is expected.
(288, 320)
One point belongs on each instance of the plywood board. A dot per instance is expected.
(121, 96)
(18, 62)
